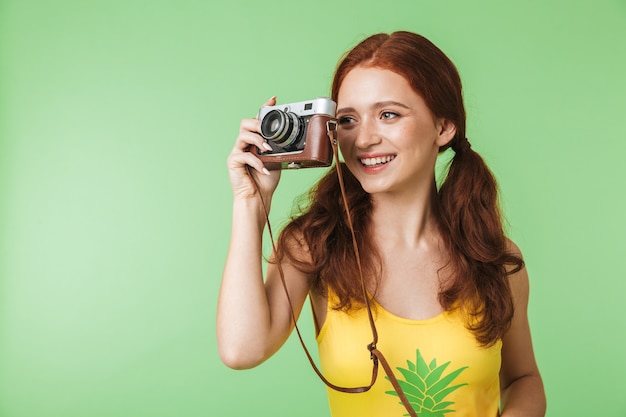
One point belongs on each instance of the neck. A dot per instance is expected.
(405, 219)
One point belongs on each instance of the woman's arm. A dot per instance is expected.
(253, 317)
(521, 384)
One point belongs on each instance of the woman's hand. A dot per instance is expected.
(244, 166)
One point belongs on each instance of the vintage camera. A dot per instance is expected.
(298, 134)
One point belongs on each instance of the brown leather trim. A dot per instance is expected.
(316, 153)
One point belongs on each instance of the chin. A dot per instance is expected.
(371, 182)
(374, 186)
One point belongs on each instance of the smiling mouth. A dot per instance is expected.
(381, 160)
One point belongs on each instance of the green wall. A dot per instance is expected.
(116, 119)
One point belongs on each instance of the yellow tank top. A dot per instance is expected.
(440, 366)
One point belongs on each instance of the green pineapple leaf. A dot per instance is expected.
(422, 369)
(436, 374)
(413, 379)
(444, 382)
(444, 393)
(425, 386)
(442, 405)
(410, 389)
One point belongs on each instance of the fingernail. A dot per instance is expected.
(267, 146)
(265, 171)
(272, 98)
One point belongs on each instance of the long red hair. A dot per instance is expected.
(467, 208)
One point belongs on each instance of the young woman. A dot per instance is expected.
(448, 290)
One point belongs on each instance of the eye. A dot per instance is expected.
(386, 115)
(346, 120)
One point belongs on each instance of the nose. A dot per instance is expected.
(367, 135)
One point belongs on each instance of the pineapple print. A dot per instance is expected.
(426, 388)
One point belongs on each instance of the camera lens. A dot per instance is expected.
(280, 127)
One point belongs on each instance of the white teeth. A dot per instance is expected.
(377, 161)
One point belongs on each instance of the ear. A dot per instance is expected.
(447, 130)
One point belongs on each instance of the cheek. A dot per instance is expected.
(417, 136)
(345, 139)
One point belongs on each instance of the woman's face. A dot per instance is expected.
(389, 138)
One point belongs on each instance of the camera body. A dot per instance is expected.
(297, 133)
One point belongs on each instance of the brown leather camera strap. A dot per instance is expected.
(375, 355)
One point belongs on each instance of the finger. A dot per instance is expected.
(270, 102)
(250, 125)
(247, 158)
(250, 130)
(247, 139)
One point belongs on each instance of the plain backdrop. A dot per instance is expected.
(116, 118)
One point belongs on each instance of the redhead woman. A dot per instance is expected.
(448, 292)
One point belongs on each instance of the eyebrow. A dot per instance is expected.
(376, 105)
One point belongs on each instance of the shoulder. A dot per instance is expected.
(293, 248)
(512, 248)
(518, 277)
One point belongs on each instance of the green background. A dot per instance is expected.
(116, 120)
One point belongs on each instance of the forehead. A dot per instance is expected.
(371, 84)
